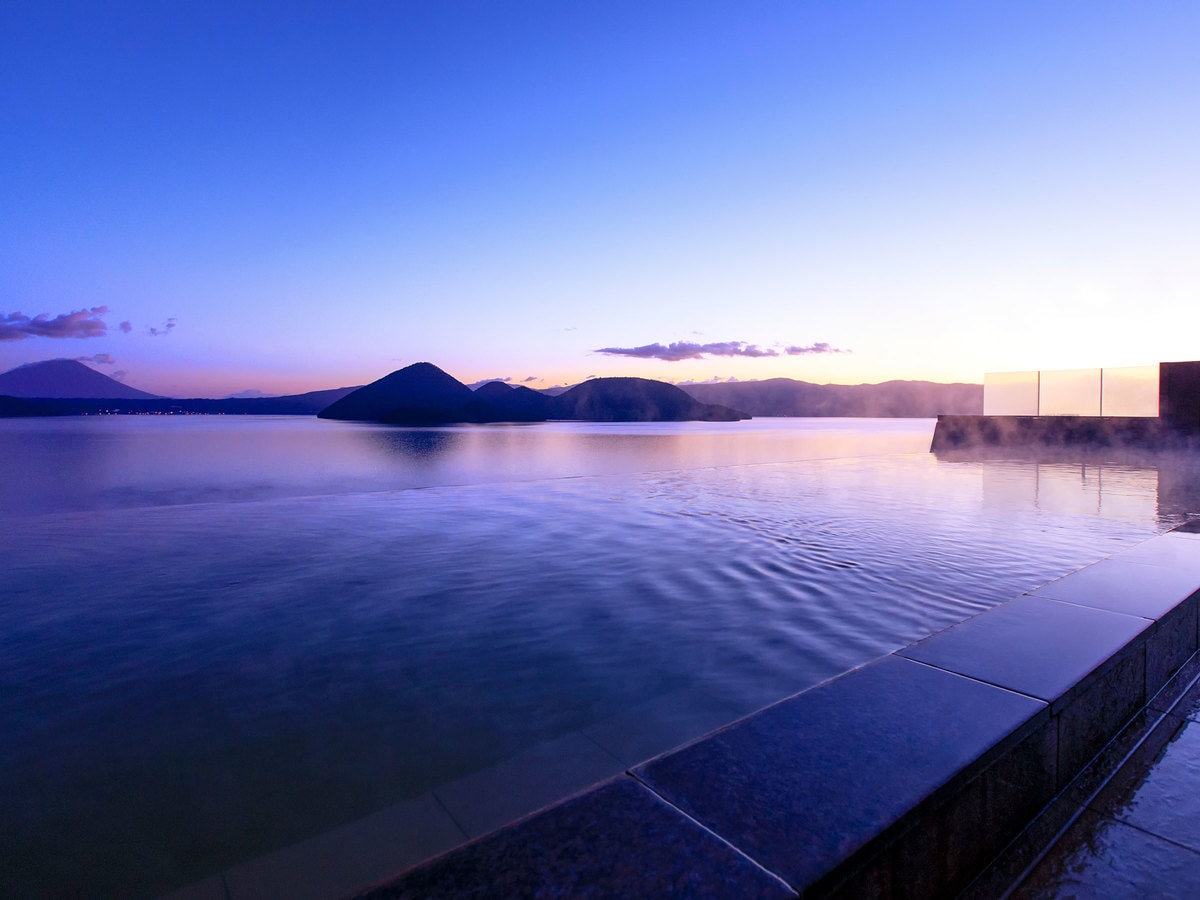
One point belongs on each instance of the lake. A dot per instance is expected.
(220, 635)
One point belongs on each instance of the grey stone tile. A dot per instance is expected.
(1158, 790)
(486, 800)
(1102, 858)
(618, 840)
(345, 859)
(211, 888)
(1125, 586)
(1042, 648)
(661, 724)
(1173, 550)
(804, 786)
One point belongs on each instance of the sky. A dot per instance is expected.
(207, 197)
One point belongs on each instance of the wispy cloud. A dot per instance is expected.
(166, 329)
(680, 350)
(819, 347)
(530, 379)
(99, 359)
(126, 327)
(82, 323)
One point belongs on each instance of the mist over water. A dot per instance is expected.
(221, 636)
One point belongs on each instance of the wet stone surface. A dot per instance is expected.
(1101, 857)
(1140, 835)
(1158, 790)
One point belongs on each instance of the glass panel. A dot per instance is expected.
(1130, 391)
(1010, 394)
(1071, 392)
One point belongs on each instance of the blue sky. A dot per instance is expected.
(297, 196)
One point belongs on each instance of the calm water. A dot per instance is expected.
(219, 636)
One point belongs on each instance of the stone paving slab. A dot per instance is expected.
(1126, 586)
(804, 785)
(618, 840)
(1175, 549)
(1038, 647)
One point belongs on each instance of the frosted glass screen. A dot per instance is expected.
(1070, 392)
(1010, 394)
(1130, 391)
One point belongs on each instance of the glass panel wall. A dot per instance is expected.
(1130, 391)
(1010, 394)
(1070, 392)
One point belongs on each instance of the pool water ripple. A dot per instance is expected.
(185, 685)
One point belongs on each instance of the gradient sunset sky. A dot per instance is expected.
(210, 197)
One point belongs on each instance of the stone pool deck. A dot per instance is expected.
(905, 777)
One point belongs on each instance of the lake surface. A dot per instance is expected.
(220, 635)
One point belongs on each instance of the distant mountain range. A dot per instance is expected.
(422, 394)
(67, 387)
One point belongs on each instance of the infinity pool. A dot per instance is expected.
(220, 636)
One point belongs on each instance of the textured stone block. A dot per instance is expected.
(1171, 643)
(1099, 711)
(949, 844)
(816, 785)
(1038, 647)
(1124, 585)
